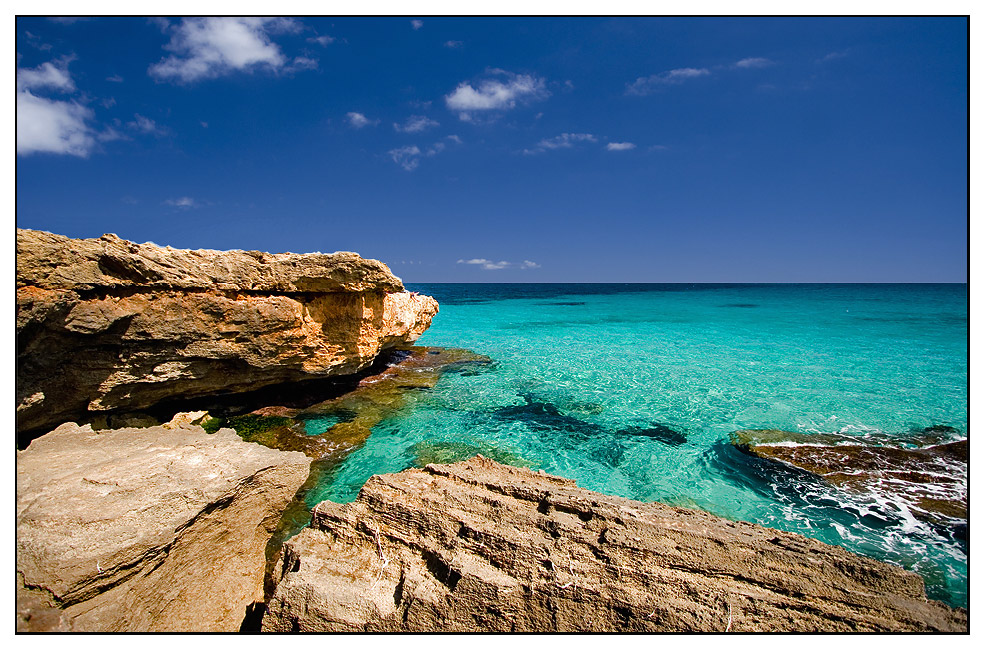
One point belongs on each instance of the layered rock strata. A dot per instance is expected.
(478, 546)
(152, 529)
(106, 324)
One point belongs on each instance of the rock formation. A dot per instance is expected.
(153, 529)
(106, 324)
(481, 546)
(931, 481)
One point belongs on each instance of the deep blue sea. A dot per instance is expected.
(581, 372)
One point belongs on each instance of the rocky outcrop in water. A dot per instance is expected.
(478, 546)
(106, 324)
(929, 481)
(153, 529)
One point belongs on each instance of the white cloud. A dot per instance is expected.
(358, 120)
(753, 62)
(452, 45)
(52, 75)
(490, 265)
(182, 203)
(648, 85)
(620, 146)
(415, 124)
(145, 125)
(48, 125)
(454, 138)
(205, 48)
(322, 40)
(495, 95)
(117, 79)
(563, 141)
(417, 24)
(52, 126)
(407, 157)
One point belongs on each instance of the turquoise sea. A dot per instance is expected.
(633, 390)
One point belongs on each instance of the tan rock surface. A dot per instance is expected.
(105, 324)
(481, 546)
(150, 529)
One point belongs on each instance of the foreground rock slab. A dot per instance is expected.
(481, 546)
(106, 324)
(153, 529)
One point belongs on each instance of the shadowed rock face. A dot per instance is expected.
(153, 529)
(478, 546)
(106, 324)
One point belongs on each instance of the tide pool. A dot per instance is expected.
(633, 390)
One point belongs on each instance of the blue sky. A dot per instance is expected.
(510, 149)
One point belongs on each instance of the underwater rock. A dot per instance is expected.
(106, 324)
(479, 546)
(660, 432)
(445, 452)
(141, 530)
(931, 481)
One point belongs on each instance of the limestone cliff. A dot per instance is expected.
(106, 324)
(153, 529)
(478, 546)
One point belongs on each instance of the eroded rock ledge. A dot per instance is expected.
(482, 546)
(106, 324)
(153, 529)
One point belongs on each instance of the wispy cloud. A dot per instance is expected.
(205, 48)
(322, 40)
(358, 120)
(68, 20)
(563, 141)
(649, 85)
(146, 125)
(117, 79)
(620, 146)
(453, 45)
(832, 56)
(417, 24)
(415, 124)
(410, 157)
(183, 203)
(753, 62)
(495, 94)
(46, 125)
(407, 157)
(490, 265)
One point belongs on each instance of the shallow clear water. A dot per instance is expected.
(589, 379)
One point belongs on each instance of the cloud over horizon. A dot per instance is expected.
(489, 265)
